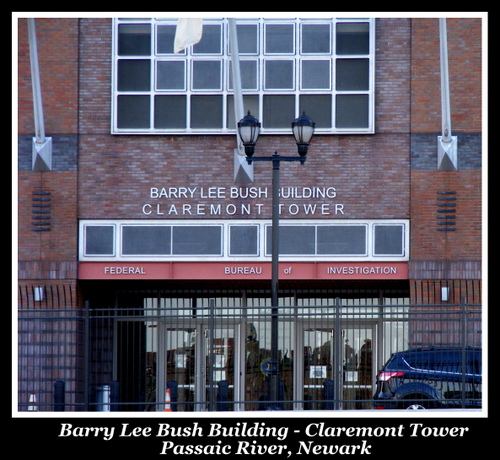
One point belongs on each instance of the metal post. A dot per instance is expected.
(211, 357)
(59, 392)
(463, 308)
(274, 391)
(338, 371)
(86, 352)
(274, 364)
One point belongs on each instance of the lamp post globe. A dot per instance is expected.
(303, 130)
(249, 129)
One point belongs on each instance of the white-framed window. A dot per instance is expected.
(192, 240)
(322, 66)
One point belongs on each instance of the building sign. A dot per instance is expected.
(171, 202)
(243, 270)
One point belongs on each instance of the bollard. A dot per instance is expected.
(59, 396)
(328, 394)
(114, 395)
(32, 400)
(223, 395)
(103, 393)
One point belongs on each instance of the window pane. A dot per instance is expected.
(348, 239)
(279, 74)
(170, 112)
(316, 38)
(206, 112)
(249, 103)
(244, 240)
(319, 108)
(134, 75)
(134, 39)
(353, 38)
(133, 112)
(248, 41)
(145, 240)
(171, 75)
(211, 40)
(279, 38)
(389, 240)
(248, 71)
(99, 240)
(165, 36)
(279, 111)
(352, 111)
(352, 75)
(207, 75)
(202, 240)
(315, 75)
(293, 239)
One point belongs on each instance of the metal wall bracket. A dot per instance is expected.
(447, 154)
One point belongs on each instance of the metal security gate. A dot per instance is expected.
(210, 350)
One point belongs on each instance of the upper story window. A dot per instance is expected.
(322, 66)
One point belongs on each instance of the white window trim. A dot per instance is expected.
(226, 224)
(260, 57)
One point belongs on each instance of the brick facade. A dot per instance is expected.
(387, 175)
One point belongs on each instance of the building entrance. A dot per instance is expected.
(214, 354)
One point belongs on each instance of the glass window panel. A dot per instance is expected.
(293, 239)
(279, 38)
(315, 75)
(206, 112)
(133, 112)
(389, 240)
(146, 240)
(351, 111)
(279, 111)
(134, 39)
(197, 240)
(279, 74)
(170, 112)
(171, 75)
(352, 75)
(134, 75)
(207, 75)
(353, 38)
(316, 38)
(249, 75)
(165, 36)
(249, 103)
(319, 108)
(342, 239)
(244, 240)
(99, 240)
(248, 38)
(211, 40)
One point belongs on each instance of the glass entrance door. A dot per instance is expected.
(219, 364)
(198, 367)
(335, 371)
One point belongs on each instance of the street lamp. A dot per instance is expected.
(303, 130)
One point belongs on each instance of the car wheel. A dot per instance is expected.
(424, 403)
(415, 407)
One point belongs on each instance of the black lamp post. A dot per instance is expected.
(303, 130)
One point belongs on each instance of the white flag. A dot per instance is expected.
(187, 33)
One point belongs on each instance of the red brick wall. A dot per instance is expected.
(427, 242)
(464, 60)
(116, 172)
(57, 42)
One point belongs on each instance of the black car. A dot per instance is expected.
(423, 378)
